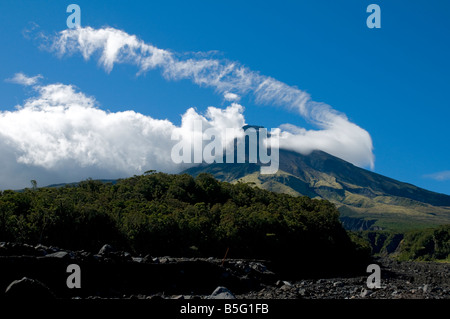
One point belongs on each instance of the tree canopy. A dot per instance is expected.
(178, 215)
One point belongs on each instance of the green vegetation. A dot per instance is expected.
(427, 245)
(430, 244)
(382, 243)
(178, 215)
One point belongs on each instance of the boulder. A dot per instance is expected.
(281, 283)
(258, 267)
(58, 255)
(41, 250)
(147, 259)
(27, 288)
(106, 249)
(365, 293)
(425, 288)
(222, 293)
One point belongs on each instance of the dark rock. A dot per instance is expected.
(53, 249)
(41, 250)
(106, 250)
(3, 249)
(27, 288)
(85, 255)
(118, 256)
(124, 254)
(59, 255)
(258, 267)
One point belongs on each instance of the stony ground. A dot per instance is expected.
(200, 278)
(399, 280)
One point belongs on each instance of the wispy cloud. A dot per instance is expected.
(439, 176)
(335, 134)
(228, 96)
(22, 79)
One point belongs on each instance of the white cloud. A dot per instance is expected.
(231, 97)
(59, 135)
(335, 134)
(439, 176)
(22, 79)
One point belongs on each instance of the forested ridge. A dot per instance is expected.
(178, 215)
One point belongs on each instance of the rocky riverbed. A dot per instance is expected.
(41, 271)
(399, 280)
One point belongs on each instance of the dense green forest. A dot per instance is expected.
(178, 215)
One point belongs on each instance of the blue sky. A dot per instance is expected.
(392, 82)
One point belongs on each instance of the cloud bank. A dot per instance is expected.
(335, 134)
(60, 135)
